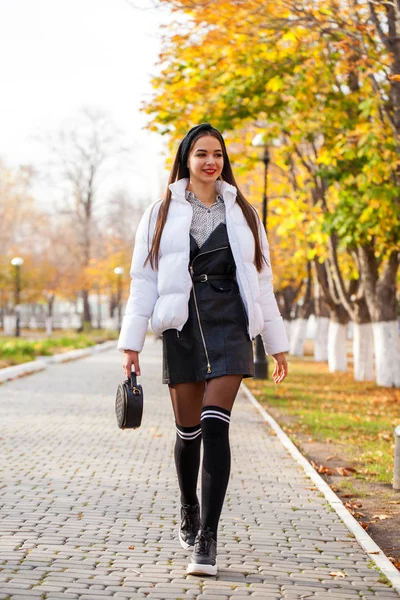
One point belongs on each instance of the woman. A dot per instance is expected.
(200, 270)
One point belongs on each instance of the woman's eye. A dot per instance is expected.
(203, 155)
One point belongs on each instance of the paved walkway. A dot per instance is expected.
(90, 512)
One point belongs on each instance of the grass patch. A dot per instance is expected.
(15, 351)
(358, 416)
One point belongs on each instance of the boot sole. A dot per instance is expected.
(197, 569)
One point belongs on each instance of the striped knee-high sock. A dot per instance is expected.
(216, 467)
(187, 461)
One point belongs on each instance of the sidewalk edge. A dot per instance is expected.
(364, 539)
(31, 367)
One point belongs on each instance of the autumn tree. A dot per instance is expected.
(326, 77)
(83, 155)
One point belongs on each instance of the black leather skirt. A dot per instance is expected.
(214, 340)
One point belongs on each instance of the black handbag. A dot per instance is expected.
(129, 403)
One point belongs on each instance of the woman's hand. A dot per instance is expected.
(131, 357)
(281, 367)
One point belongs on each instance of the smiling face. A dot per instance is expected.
(205, 162)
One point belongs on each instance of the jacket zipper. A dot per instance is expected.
(197, 308)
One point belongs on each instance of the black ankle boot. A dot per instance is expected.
(204, 556)
(190, 525)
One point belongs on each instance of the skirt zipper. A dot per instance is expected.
(245, 315)
(197, 308)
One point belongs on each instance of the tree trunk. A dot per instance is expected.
(98, 310)
(298, 327)
(380, 295)
(339, 318)
(363, 343)
(363, 352)
(49, 325)
(321, 339)
(337, 335)
(337, 357)
(322, 323)
(87, 318)
(298, 330)
(113, 304)
(50, 305)
(285, 299)
(387, 353)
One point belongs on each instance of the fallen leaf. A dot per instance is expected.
(380, 517)
(80, 515)
(322, 469)
(365, 524)
(131, 547)
(331, 457)
(337, 574)
(353, 504)
(345, 471)
(395, 562)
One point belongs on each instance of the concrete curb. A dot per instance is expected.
(34, 366)
(366, 542)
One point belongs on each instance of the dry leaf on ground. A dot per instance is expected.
(345, 470)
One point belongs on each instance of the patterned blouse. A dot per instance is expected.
(205, 218)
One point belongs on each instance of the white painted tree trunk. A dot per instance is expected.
(337, 358)
(9, 324)
(32, 323)
(49, 325)
(321, 338)
(298, 330)
(387, 353)
(363, 352)
(287, 325)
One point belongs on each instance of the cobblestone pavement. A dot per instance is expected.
(89, 511)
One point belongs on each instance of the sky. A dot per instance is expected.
(59, 56)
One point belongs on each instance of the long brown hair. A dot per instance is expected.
(180, 171)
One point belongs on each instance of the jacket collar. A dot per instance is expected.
(227, 191)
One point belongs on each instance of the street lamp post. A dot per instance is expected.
(17, 261)
(119, 271)
(260, 359)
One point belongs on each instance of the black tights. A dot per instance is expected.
(202, 411)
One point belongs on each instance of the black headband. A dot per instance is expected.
(189, 137)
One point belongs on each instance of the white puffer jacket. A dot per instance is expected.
(163, 294)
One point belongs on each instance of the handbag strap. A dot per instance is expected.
(133, 379)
